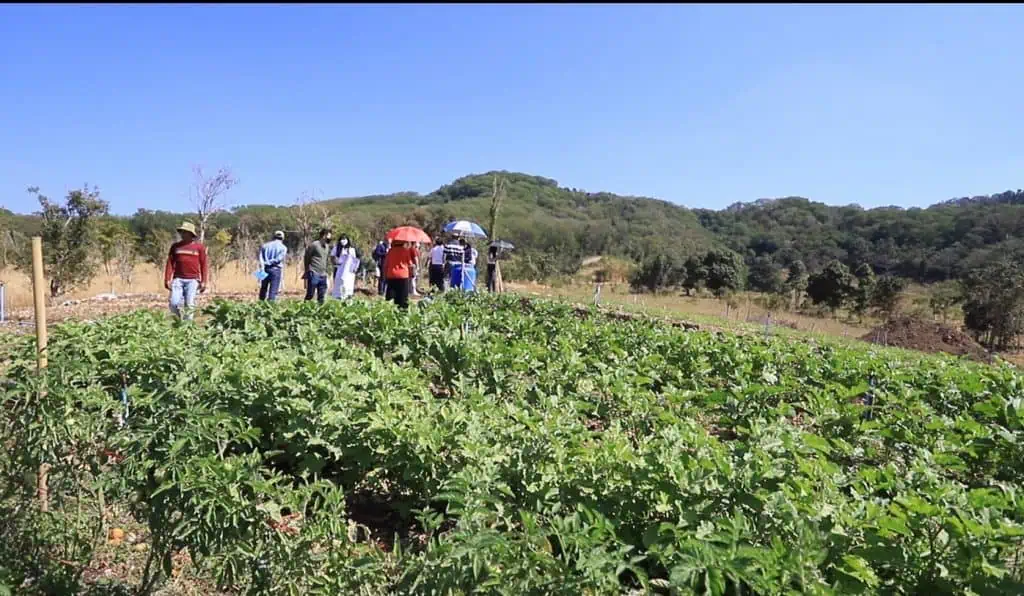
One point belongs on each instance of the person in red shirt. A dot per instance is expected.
(399, 265)
(186, 272)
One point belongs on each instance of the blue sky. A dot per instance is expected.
(699, 105)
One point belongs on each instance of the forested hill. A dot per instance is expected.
(554, 227)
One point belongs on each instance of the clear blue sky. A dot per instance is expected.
(700, 105)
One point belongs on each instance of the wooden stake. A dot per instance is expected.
(39, 293)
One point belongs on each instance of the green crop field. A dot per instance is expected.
(507, 446)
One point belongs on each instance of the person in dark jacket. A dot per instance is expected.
(316, 266)
(379, 252)
(492, 264)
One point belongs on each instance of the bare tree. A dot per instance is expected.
(207, 194)
(126, 254)
(497, 197)
(218, 253)
(11, 243)
(310, 215)
(246, 246)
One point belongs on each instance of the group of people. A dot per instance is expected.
(451, 265)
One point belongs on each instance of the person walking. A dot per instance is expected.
(469, 269)
(272, 255)
(492, 264)
(379, 252)
(415, 272)
(436, 271)
(186, 272)
(314, 266)
(345, 258)
(398, 267)
(454, 259)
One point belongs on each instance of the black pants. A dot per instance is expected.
(380, 280)
(316, 283)
(492, 279)
(437, 277)
(398, 291)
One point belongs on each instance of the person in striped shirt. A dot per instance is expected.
(272, 255)
(454, 258)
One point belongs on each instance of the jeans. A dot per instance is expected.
(184, 291)
(398, 291)
(271, 284)
(316, 283)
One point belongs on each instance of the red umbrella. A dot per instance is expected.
(407, 234)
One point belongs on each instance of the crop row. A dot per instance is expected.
(507, 446)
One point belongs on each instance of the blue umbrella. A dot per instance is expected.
(463, 227)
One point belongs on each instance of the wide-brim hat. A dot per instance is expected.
(186, 226)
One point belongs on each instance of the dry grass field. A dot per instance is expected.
(232, 279)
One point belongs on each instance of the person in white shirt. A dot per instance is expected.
(437, 266)
(346, 261)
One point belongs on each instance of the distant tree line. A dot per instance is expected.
(723, 272)
(795, 249)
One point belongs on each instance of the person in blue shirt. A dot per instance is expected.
(272, 256)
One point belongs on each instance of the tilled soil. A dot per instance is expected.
(926, 336)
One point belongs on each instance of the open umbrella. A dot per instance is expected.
(502, 245)
(463, 227)
(407, 234)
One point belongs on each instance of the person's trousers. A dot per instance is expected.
(398, 292)
(436, 275)
(455, 276)
(381, 282)
(183, 297)
(491, 278)
(271, 284)
(316, 283)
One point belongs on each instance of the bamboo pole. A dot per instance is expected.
(39, 294)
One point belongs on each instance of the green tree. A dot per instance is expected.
(994, 302)
(796, 282)
(218, 251)
(155, 247)
(764, 276)
(657, 273)
(864, 291)
(723, 271)
(832, 286)
(69, 235)
(693, 274)
(109, 233)
(885, 297)
(943, 296)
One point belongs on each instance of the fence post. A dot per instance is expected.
(597, 295)
(38, 293)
